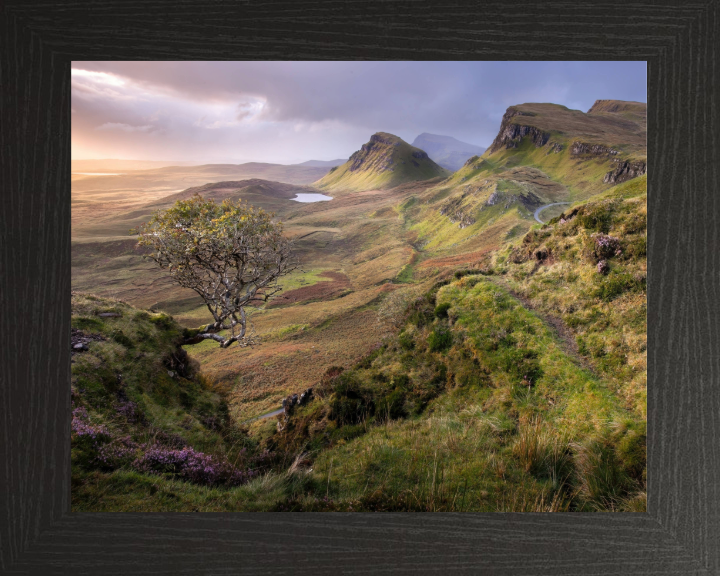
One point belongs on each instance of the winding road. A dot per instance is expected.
(263, 416)
(537, 212)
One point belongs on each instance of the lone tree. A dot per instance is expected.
(231, 254)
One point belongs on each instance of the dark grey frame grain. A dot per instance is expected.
(681, 532)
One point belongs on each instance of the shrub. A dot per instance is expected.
(597, 216)
(350, 403)
(390, 407)
(349, 409)
(326, 386)
(630, 439)
(162, 321)
(636, 248)
(440, 339)
(87, 323)
(120, 337)
(600, 477)
(616, 283)
(606, 246)
(191, 465)
(406, 341)
(441, 310)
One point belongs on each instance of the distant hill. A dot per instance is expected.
(383, 162)
(112, 165)
(323, 163)
(289, 173)
(447, 151)
(234, 190)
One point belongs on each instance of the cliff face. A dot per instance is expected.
(608, 141)
(512, 132)
(625, 170)
(582, 149)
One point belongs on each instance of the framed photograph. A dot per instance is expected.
(371, 301)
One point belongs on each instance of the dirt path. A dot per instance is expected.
(565, 335)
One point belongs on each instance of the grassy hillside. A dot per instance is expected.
(520, 386)
(462, 356)
(543, 154)
(148, 431)
(516, 385)
(383, 162)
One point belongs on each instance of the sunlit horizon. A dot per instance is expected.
(292, 112)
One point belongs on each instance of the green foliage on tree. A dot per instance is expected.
(231, 254)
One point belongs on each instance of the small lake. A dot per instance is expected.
(311, 197)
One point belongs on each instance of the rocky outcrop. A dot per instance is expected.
(494, 198)
(512, 132)
(293, 400)
(554, 148)
(456, 214)
(582, 149)
(79, 340)
(459, 217)
(530, 200)
(363, 158)
(625, 170)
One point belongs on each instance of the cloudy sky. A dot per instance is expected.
(287, 112)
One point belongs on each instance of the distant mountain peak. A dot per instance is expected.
(384, 161)
(447, 151)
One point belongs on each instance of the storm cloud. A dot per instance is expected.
(290, 112)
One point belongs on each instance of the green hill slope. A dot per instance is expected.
(520, 385)
(385, 161)
(149, 432)
(542, 154)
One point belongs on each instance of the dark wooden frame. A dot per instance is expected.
(681, 532)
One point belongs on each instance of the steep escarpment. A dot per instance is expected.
(585, 151)
(543, 154)
(383, 162)
(625, 170)
(514, 127)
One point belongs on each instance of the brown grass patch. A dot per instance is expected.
(468, 258)
(338, 285)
